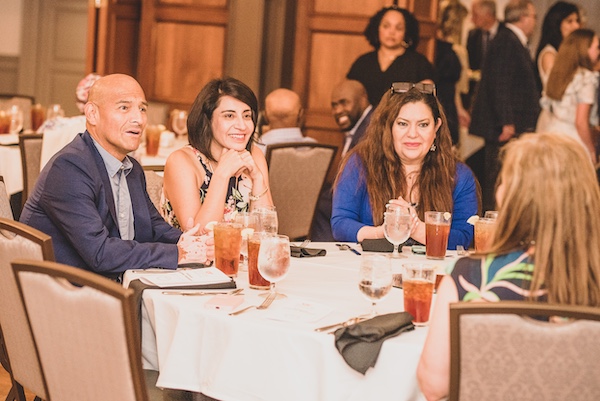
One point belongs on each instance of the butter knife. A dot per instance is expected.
(345, 323)
(200, 293)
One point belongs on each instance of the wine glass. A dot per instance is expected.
(274, 259)
(249, 223)
(374, 278)
(16, 119)
(179, 122)
(491, 214)
(54, 111)
(397, 226)
(267, 219)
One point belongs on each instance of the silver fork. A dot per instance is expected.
(265, 304)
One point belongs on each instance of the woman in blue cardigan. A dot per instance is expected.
(406, 158)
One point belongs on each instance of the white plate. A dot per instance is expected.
(9, 139)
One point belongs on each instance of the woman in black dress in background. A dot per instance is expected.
(394, 33)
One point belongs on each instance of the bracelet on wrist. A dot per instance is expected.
(254, 198)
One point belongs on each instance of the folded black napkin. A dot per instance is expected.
(301, 252)
(138, 288)
(360, 343)
(377, 245)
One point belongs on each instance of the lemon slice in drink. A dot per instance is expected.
(447, 215)
(247, 232)
(210, 226)
(472, 220)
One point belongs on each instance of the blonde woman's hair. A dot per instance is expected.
(551, 201)
(572, 55)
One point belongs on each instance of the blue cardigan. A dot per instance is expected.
(352, 205)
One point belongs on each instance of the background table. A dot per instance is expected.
(252, 356)
(10, 168)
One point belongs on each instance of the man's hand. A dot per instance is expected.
(508, 131)
(195, 246)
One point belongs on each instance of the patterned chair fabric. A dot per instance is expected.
(18, 240)
(154, 184)
(505, 351)
(86, 332)
(297, 172)
(5, 210)
(31, 153)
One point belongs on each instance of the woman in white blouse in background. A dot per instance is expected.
(571, 94)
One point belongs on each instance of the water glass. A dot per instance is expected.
(54, 111)
(267, 219)
(16, 119)
(375, 278)
(396, 228)
(274, 259)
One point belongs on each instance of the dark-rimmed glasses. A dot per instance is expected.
(403, 87)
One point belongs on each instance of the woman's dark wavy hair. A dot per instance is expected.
(411, 36)
(551, 34)
(199, 126)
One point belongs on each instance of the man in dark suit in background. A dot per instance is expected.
(91, 196)
(483, 15)
(507, 101)
(352, 111)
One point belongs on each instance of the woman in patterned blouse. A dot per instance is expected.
(546, 244)
(221, 171)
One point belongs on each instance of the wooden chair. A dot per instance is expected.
(86, 332)
(154, 183)
(297, 172)
(20, 360)
(31, 154)
(5, 210)
(499, 352)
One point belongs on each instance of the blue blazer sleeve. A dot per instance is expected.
(77, 203)
(351, 204)
(465, 205)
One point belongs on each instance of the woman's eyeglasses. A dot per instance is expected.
(403, 87)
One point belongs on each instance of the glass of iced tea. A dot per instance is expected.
(484, 234)
(249, 224)
(437, 230)
(228, 241)
(255, 279)
(38, 116)
(153, 133)
(4, 122)
(418, 281)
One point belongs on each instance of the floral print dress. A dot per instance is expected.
(495, 277)
(237, 200)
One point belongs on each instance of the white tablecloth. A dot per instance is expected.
(254, 357)
(11, 169)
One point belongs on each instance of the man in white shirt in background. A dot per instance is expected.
(283, 114)
(351, 110)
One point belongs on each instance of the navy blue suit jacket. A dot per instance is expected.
(73, 203)
(508, 93)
